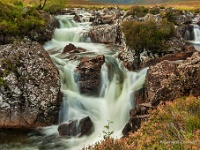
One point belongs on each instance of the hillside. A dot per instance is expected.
(139, 1)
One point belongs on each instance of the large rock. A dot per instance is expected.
(89, 74)
(29, 86)
(107, 34)
(168, 80)
(76, 127)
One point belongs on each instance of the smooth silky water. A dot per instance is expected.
(113, 103)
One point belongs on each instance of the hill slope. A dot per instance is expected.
(139, 1)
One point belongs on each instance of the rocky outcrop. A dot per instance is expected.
(146, 58)
(29, 86)
(76, 128)
(164, 82)
(168, 80)
(183, 55)
(88, 74)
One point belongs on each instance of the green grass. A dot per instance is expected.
(175, 125)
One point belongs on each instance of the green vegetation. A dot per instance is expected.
(18, 21)
(138, 11)
(175, 125)
(107, 133)
(171, 15)
(148, 35)
(53, 6)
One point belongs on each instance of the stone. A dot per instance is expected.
(88, 74)
(107, 34)
(30, 87)
(138, 115)
(70, 48)
(78, 128)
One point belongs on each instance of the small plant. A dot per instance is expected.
(107, 133)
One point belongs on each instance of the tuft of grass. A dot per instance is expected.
(174, 125)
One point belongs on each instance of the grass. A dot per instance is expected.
(187, 5)
(175, 125)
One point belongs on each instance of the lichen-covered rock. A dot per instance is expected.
(29, 86)
(168, 80)
(107, 34)
(89, 74)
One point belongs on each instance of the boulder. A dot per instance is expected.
(107, 34)
(29, 86)
(76, 128)
(88, 74)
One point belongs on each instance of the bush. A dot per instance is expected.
(171, 15)
(138, 11)
(154, 10)
(54, 7)
(148, 35)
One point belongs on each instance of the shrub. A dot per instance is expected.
(148, 35)
(19, 22)
(138, 11)
(54, 7)
(171, 15)
(154, 10)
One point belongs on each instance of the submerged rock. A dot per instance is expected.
(89, 74)
(70, 48)
(29, 86)
(76, 127)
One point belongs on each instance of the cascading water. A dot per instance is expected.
(115, 97)
(194, 35)
(116, 93)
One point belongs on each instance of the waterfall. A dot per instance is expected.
(194, 35)
(115, 97)
(197, 33)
